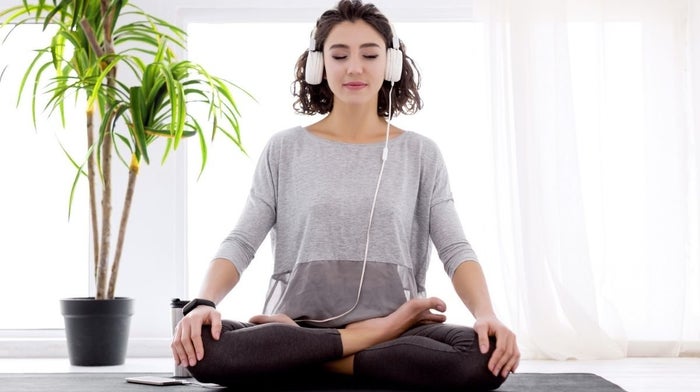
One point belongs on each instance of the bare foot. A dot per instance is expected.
(363, 334)
(273, 318)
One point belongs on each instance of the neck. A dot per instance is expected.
(352, 125)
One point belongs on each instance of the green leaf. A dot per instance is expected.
(57, 9)
(137, 127)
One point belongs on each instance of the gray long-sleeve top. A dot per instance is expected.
(314, 196)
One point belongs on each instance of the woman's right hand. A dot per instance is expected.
(187, 343)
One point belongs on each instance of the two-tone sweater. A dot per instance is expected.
(313, 196)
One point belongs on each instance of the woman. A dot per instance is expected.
(352, 205)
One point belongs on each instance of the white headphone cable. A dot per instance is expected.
(385, 154)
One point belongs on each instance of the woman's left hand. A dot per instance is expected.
(506, 356)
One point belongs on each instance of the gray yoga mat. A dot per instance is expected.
(116, 382)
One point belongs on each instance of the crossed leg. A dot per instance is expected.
(441, 356)
(276, 345)
(364, 334)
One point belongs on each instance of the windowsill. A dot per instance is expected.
(62, 365)
(55, 347)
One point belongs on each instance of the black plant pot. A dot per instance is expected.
(97, 331)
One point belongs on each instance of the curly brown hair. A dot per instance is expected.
(318, 99)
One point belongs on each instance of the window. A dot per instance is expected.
(42, 252)
(614, 76)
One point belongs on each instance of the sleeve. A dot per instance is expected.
(258, 215)
(446, 230)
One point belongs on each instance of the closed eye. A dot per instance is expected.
(343, 57)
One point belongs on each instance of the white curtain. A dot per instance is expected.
(595, 124)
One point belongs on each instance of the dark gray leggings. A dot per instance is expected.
(431, 356)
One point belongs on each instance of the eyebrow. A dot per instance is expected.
(367, 45)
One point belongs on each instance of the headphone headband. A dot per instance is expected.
(312, 40)
(394, 38)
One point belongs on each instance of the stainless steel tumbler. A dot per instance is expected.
(176, 306)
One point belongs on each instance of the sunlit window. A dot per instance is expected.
(43, 254)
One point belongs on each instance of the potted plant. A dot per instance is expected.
(120, 63)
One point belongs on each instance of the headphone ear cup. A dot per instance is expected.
(314, 67)
(394, 65)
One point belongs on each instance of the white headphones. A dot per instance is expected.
(314, 62)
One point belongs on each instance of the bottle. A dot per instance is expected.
(176, 306)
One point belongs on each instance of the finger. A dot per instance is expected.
(186, 341)
(482, 333)
(439, 304)
(176, 347)
(434, 318)
(503, 348)
(180, 348)
(215, 326)
(495, 361)
(180, 356)
(514, 360)
(510, 365)
(198, 345)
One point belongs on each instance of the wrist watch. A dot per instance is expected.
(196, 302)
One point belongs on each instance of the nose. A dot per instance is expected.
(355, 65)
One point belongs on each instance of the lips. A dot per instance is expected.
(355, 84)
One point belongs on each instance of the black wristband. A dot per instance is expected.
(196, 302)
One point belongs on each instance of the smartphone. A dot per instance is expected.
(155, 380)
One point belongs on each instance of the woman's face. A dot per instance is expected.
(354, 56)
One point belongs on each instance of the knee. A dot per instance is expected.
(487, 380)
(473, 372)
(219, 365)
(203, 370)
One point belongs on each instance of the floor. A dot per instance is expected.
(632, 374)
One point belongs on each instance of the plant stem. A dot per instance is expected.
(106, 159)
(106, 212)
(91, 186)
(128, 197)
